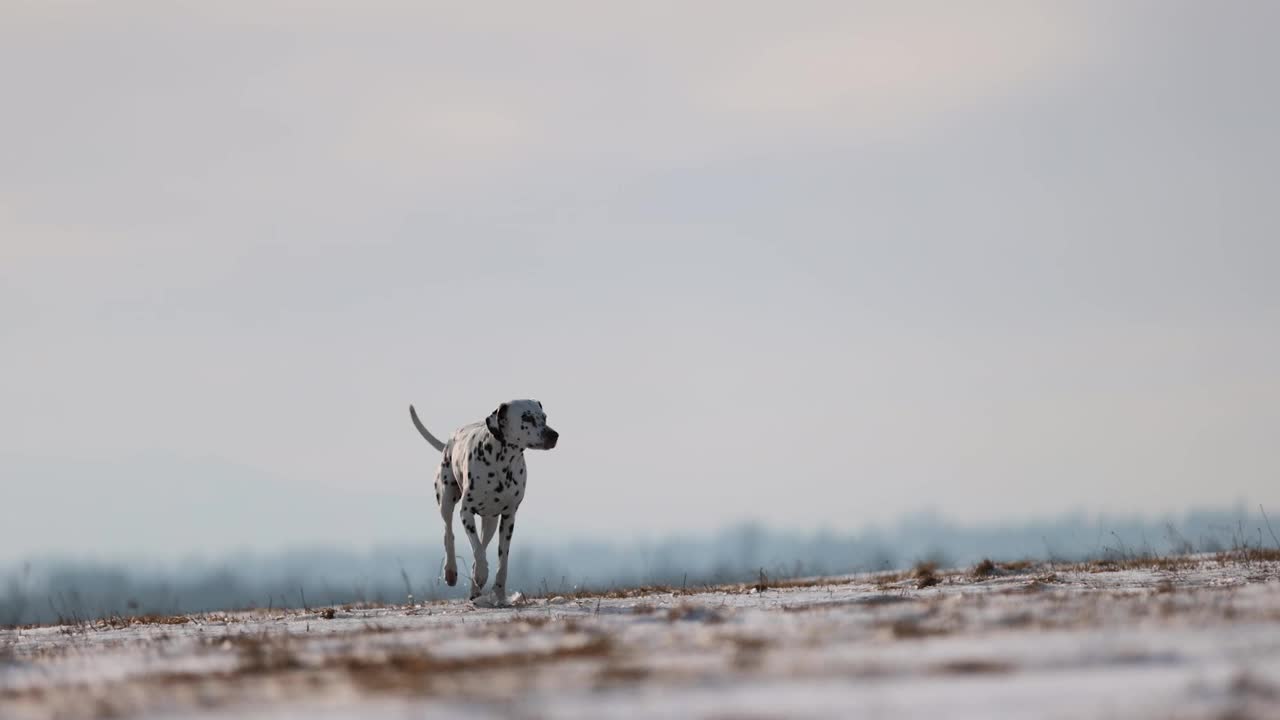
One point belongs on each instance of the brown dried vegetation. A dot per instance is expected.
(925, 574)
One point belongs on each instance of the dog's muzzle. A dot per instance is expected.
(549, 438)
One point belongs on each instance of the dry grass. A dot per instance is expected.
(1248, 555)
(1168, 563)
(762, 583)
(989, 568)
(616, 593)
(119, 621)
(925, 574)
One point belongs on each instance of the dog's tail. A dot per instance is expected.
(431, 439)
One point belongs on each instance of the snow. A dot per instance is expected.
(1198, 641)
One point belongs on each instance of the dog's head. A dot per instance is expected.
(522, 423)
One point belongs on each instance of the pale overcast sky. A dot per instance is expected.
(815, 264)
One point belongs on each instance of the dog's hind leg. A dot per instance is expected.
(447, 495)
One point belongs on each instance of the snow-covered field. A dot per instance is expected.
(1190, 638)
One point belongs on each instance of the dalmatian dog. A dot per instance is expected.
(482, 472)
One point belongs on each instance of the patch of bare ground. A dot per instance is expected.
(912, 629)
(697, 613)
(1250, 685)
(1042, 581)
(621, 673)
(973, 667)
(274, 665)
(421, 672)
(667, 640)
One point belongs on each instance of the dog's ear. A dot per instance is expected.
(496, 421)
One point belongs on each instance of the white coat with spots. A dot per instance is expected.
(483, 473)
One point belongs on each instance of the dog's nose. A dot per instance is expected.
(551, 437)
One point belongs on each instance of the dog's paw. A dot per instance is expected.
(490, 600)
(451, 577)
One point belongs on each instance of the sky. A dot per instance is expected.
(811, 264)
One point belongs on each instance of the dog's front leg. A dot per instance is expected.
(505, 529)
(480, 567)
(488, 524)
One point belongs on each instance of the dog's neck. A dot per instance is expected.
(500, 442)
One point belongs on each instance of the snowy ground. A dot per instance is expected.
(1196, 638)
